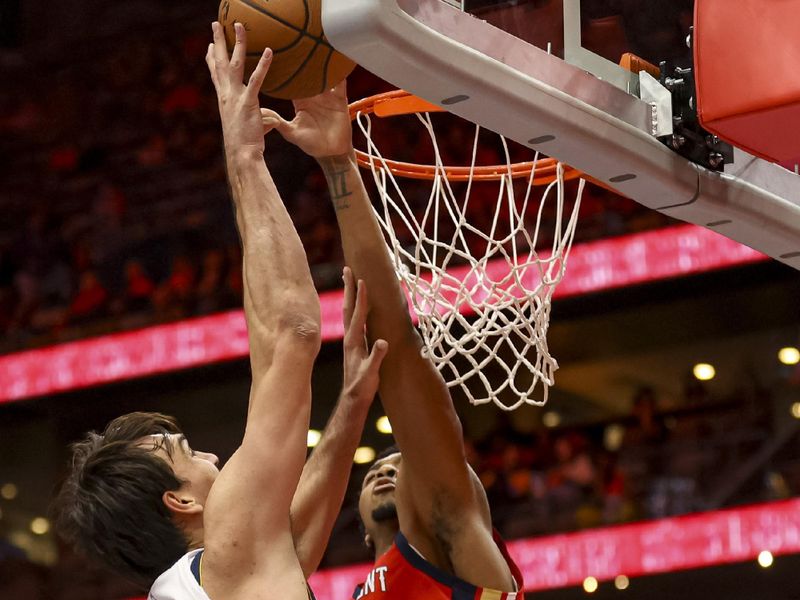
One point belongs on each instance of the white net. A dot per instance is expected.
(481, 290)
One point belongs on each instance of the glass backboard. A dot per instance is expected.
(655, 30)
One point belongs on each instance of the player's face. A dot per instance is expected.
(197, 469)
(377, 501)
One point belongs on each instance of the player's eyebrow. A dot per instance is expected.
(163, 441)
(368, 475)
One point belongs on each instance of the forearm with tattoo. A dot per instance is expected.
(336, 169)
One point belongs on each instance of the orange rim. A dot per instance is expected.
(400, 102)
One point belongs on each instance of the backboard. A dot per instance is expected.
(546, 74)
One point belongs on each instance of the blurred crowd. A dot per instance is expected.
(649, 466)
(115, 201)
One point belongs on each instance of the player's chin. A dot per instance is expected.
(385, 511)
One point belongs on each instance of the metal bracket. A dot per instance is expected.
(660, 100)
(602, 68)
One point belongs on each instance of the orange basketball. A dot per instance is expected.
(304, 63)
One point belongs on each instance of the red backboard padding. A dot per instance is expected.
(747, 62)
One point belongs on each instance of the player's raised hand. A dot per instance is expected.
(239, 108)
(321, 126)
(361, 366)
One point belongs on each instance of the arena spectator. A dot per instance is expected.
(90, 301)
(139, 288)
(572, 482)
(209, 287)
(174, 298)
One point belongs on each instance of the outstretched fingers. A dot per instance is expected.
(272, 120)
(220, 49)
(229, 72)
(358, 322)
(260, 72)
(379, 350)
(349, 299)
(212, 67)
(358, 326)
(239, 54)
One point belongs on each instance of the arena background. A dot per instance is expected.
(116, 222)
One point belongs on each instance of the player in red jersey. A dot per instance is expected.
(425, 511)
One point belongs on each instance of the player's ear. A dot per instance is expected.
(181, 504)
(368, 541)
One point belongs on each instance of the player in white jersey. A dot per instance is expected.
(140, 500)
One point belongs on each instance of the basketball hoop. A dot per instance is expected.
(454, 268)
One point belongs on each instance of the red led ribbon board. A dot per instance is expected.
(635, 550)
(593, 267)
(650, 548)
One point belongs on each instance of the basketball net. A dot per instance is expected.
(482, 295)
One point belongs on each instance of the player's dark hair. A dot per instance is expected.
(110, 505)
(393, 449)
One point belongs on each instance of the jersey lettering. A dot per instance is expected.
(369, 584)
(402, 573)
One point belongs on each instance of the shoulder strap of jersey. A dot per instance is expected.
(194, 566)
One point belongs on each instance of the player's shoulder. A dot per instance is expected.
(235, 572)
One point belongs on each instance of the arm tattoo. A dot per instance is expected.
(335, 169)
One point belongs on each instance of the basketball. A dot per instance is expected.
(304, 63)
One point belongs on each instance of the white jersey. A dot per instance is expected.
(181, 581)
(178, 583)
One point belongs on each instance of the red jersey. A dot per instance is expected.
(401, 573)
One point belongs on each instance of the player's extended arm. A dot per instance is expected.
(413, 393)
(247, 530)
(451, 515)
(323, 483)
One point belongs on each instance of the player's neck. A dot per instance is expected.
(194, 537)
(383, 541)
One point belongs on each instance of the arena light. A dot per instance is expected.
(613, 436)
(621, 582)
(551, 419)
(796, 410)
(765, 559)
(383, 425)
(40, 526)
(364, 455)
(590, 585)
(313, 438)
(789, 355)
(637, 549)
(593, 267)
(8, 491)
(704, 372)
